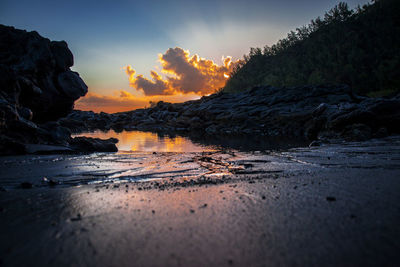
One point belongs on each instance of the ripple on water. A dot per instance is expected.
(207, 164)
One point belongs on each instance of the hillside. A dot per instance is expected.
(359, 48)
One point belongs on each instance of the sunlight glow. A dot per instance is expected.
(137, 141)
(122, 100)
(184, 74)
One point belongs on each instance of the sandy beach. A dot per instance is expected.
(334, 205)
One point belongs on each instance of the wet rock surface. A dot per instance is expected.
(328, 205)
(308, 112)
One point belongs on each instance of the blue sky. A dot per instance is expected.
(105, 36)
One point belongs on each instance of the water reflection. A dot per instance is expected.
(161, 142)
(148, 142)
(249, 142)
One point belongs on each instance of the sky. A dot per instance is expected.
(132, 52)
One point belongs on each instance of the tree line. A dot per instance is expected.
(359, 47)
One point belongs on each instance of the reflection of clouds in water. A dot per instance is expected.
(147, 141)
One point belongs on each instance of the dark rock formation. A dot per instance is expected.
(311, 112)
(37, 87)
(35, 74)
(89, 144)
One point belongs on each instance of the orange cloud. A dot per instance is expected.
(186, 74)
(124, 101)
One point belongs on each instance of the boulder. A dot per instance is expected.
(62, 55)
(35, 74)
(89, 144)
(72, 85)
(36, 86)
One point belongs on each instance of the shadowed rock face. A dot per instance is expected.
(37, 87)
(35, 74)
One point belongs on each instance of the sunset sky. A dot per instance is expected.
(133, 52)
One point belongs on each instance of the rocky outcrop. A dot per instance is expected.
(35, 75)
(90, 144)
(311, 112)
(37, 87)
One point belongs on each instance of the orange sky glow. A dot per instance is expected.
(122, 100)
(183, 77)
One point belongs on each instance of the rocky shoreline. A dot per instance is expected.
(309, 112)
(38, 91)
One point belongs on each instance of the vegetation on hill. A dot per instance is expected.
(360, 48)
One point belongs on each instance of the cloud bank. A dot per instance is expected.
(184, 74)
(124, 101)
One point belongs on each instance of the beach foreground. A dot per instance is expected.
(333, 205)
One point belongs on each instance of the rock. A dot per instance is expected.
(32, 65)
(356, 116)
(9, 146)
(319, 110)
(61, 135)
(23, 126)
(308, 112)
(382, 132)
(313, 127)
(89, 144)
(36, 86)
(357, 132)
(387, 113)
(72, 85)
(211, 129)
(58, 133)
(25, 113)
(62, 55)
(74, 125)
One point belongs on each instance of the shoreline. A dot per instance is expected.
(314, 113)
(330, 205)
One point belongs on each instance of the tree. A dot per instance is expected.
(357, 47)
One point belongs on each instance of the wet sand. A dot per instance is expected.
(335, 205)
